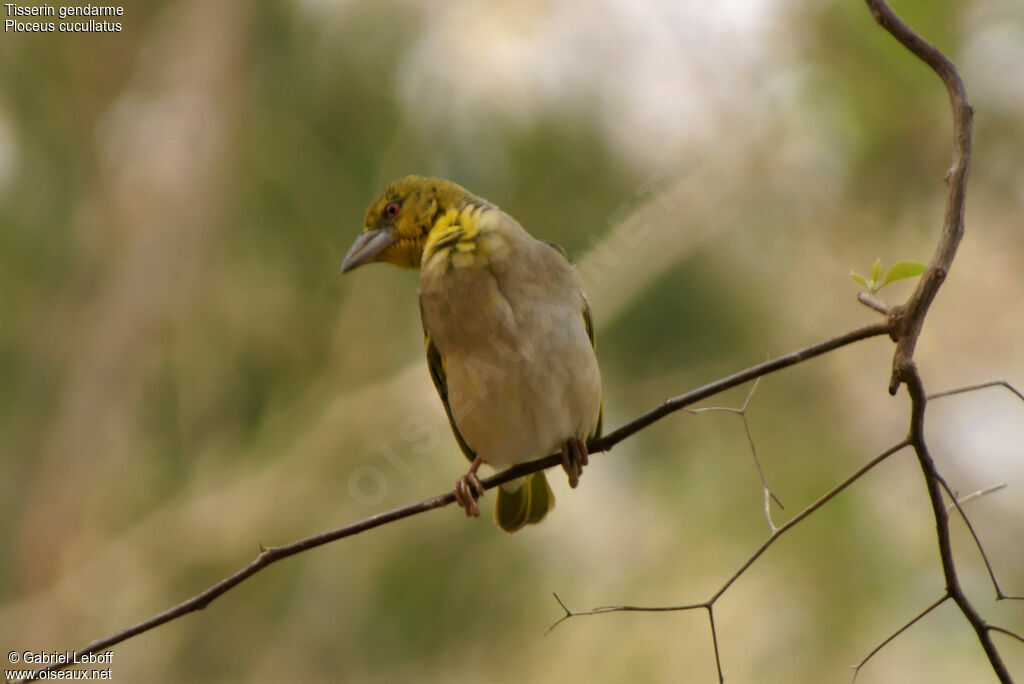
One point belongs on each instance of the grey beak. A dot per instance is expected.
(366, 249)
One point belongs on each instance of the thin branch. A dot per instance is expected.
(825, 498)
(911, 315)
(710, 603)
(957, 504)
(901, 630)
(707, 605)
(267, 556)
(821, 501)
(714, 642)
(973, 388)
(872, 302)
(617, 609)
(935, 484)
(568, 614)
(767, 494)
(1018, 637)
(670, 405)
(967, 498)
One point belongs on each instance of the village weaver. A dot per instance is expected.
(508, 335)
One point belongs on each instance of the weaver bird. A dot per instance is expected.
(508, 335)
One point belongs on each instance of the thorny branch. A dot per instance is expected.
(914, 312)
(767, 494)
(974, 388)
(907, 321)
(935, 484)
(958, 505)
(957, 502)
(901, 630)
(1018, 637)
(710, 603)
(268, 556)
(911, 315)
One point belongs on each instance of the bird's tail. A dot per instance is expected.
(526, 505)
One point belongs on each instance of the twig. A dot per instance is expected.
(714, 642)
(711, 389)
(911, 316)
(935, 484)
(967, 498)
(977, 541)
(767, 494)
(618, 609)
(871, 301)
(1018, 637)
(901, 630)
(825, 498)
(707, 605)
(906, 323)
(267, 556)
(957, 502)
(710, 603)
(981, 385)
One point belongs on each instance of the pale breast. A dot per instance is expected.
(522, 375)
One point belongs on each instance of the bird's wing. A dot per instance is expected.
(589, 325)
(435, 364)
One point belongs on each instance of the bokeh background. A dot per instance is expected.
(184, 374)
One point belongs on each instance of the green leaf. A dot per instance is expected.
(902, 270)
(876, 271)
(858, 278)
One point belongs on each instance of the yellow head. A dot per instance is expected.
(398, 222)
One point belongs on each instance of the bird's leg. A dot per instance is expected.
(574, 457)
(468, 489)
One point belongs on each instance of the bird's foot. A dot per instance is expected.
(574, 457)
(468, 489)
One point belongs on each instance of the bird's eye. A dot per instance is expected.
(391, 210)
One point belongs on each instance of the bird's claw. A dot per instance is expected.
(467, 490)
(574, 457)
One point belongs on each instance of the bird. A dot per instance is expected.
(508, 333)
